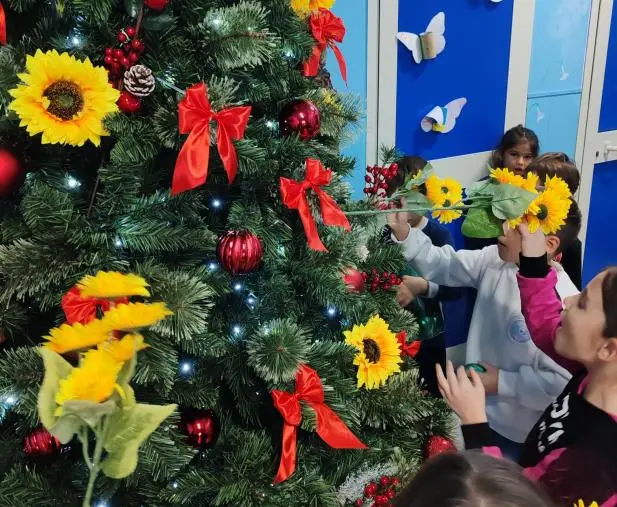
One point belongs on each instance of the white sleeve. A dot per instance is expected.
(443, 265)
(433, 289)
(534, 389)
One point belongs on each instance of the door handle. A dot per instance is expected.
(609, 148)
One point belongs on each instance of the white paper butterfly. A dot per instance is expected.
(443, 119)
(428, 44)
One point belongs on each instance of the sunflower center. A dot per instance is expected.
(444, 190)
(543, 213)
(447, 203)
(371, 350)
(65, 99)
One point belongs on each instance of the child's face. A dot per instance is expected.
(509, 244)
(518, 157)
(580, 336)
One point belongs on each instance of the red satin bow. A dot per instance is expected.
(330, 427)
(83, 310)
(294, 197)
(194, 117)
(2, 25)
(327, 29)
(408, 349)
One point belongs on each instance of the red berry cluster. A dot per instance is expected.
(377, 178)
(120, 59)
(379, 493)
(375, 280)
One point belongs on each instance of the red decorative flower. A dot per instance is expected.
(408, 349)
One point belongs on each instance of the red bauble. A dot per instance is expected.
(41, 443)
(11, 172)
(156, 5)
(130, 31)
(300, 117)
(202, 427)
(437, 445)
(239, 251)
(128, 103)
(353, 279)
(370, 490)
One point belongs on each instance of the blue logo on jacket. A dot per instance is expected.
(518, 331)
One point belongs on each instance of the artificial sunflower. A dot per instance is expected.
(133, 316)
(124, 349)
(95, 379)
(558, 186)
(64, 99)
(530, 183)
(379, 352)
(112, 285)
(304, 7)
(77, 336)
(505, 176)
(582, 504)
(551, 213)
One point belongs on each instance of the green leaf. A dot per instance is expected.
(482, 188)
(481, 223)
(66, 427)
(416, 200)
(510, 201)
(88, 411)
(132, 7)
(127, 430)
(56, 369)
(158, 23)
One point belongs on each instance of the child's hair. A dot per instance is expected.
(556, 164)
(609, 302)
(510, 139)
(569, 232)
(471, 479)
(406, 165)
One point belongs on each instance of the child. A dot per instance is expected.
(571, 449)
(520, 380)
(559, 164)
(423, 296)
(472, 480)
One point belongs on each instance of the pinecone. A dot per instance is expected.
(139, 81)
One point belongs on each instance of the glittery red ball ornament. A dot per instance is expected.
(437, 445)
(202, 427)
(239, 251)
(128, 103)
(300, 117)
(353, 279)
(11, 172)
(156, 5)
(41, 443)
(370, 490)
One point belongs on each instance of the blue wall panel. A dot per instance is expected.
(601, 242)
(354, 14)
(608, 111)
(474, 64)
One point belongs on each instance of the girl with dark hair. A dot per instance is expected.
(471, 479)
(572, 448)
(517, 148)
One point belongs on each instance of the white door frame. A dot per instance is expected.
(591, 144)
(466, 168)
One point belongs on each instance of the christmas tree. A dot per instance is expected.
(195, 144)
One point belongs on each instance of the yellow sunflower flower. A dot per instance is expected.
(95, 379)
(133, 316)
(304, 7)
(551, 214)
(64, 99)
(78, 336)
(558, 186)
(530, 183)
(433, 189)
(379, 352)
(505, 176)
(123, 350)
(112, 285)
(582, 504)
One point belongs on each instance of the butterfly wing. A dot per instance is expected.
(454, 110)
(412, 42)
(437, 24)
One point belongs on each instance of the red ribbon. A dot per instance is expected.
(327, 29)
(2, 25)
(408, 349)
(194, 117)
(330, 427)
(294, 197)
(83, 310)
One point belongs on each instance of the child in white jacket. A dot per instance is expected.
(520, 380)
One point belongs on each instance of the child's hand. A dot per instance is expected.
(533, 244)
(404, 296)
(464, 394)
(417, 285)
(399, 222)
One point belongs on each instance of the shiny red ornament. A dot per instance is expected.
(300, 117)
(437, 445)
(381, 500)
(11, 172)
(131, 31)
(128, 103)
(353, 279)
(202, 427)
(370, 490)
(156, 5)
(239, 251)
(41, 443)
(359, 502)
